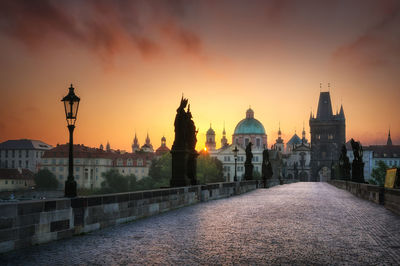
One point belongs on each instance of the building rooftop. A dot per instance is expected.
(16, 174)
(24, 144)
(295, 140)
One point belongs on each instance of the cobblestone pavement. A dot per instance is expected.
(301, 223)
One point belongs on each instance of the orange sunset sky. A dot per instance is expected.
(130, 62)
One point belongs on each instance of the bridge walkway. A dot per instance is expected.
(300, 223)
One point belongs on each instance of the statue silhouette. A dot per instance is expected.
(248, 165)
(266, 169)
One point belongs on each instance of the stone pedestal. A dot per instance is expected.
(179, 167)
(272, 182)
(192, 167)
(357, 173)
(248, 171)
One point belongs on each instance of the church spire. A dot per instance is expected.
(324, 106)
(135, 144)
(279, 130)
(224, 140)
(389, 140)
(341, 113)
(148, 139)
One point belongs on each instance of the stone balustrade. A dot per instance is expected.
(34, 222)
(390, 198)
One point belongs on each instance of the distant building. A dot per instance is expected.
(328, 134)
(210, 139)
(22, 153)
(389, 154)
(147, 147)
(91, 163)
(163, 149)
(296, 158)
(279, 144)
(248, 129)
(15, 179)
(135, 144)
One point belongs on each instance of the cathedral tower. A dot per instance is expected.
(210, 139)
(279, 144)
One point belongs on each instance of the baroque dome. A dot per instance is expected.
(249, 125)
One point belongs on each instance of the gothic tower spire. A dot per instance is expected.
(389, 140)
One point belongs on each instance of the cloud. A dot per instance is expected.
(380, 44)
(186, 39)
(104, 27)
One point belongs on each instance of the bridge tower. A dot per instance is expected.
(328, 133)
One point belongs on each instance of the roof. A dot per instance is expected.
(385, 151)
(249, 125)
(22, 174)
(80, 151)
(210, 131)
(24, 144)
(380, 151)
(294, 140)
(324, 106)
(162, 149)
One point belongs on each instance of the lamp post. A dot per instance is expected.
(235, 154)
(71, 104)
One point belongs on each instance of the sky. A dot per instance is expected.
(131, 61)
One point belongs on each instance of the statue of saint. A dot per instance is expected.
(180, 126)
(248, 165)
(266, 169)
(357, 150)
(344, 164)
(191, 132)
(249, 154)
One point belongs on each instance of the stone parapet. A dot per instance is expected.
(390, 198)
(28, 223)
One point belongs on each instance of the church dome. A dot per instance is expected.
(210, 131)
(249, 125)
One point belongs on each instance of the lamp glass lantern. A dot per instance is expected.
(235, 152)
(71, 105)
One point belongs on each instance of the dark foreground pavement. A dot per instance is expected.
(301, 223)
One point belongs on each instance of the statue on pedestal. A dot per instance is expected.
(357, 174)
(248, 165)
(184, 155)
(191, 141)
(266, 170)
(344, 164)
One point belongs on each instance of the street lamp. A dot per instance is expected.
(235, 154)
(71, 104)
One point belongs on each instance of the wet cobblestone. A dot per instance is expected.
(301, 223)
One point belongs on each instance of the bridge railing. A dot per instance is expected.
(390, 198)
(39, 221)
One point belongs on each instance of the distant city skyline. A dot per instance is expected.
(130, 62)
